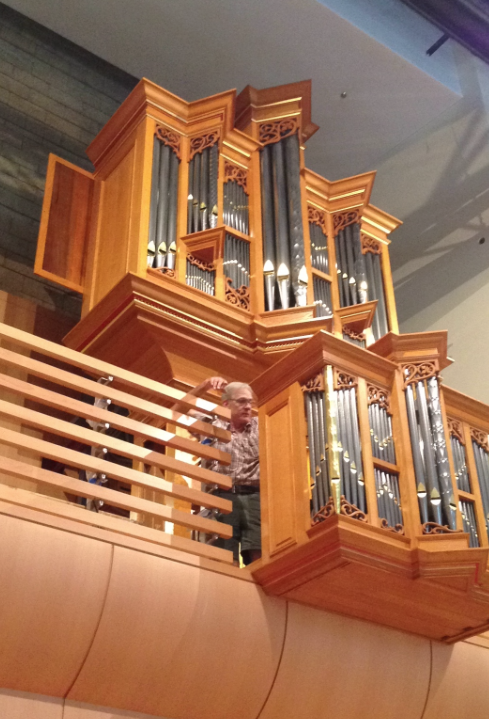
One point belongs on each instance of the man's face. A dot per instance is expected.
(240, 405)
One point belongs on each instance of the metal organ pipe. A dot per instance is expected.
(283, 237)
(163, 213)
(202, 197)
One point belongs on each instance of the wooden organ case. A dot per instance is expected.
(203, 245)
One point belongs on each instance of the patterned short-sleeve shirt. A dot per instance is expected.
(243, 447)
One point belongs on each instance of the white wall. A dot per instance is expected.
(438, 184)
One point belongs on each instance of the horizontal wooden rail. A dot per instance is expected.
(124, 474)
(97, 520)
(96, 389)
(113, 497)
(38, 420)
(104, 369)
(126, 424)
(387, 466)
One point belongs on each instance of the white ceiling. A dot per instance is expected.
(196, 48)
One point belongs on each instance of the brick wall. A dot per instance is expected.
(54, 97)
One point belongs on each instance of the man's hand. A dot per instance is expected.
(217, 383)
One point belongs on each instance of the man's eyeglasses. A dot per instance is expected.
(243, 401)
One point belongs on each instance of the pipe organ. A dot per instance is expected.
(203, 245)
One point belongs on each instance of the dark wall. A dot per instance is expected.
(54, 97)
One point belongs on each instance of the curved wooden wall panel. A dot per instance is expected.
(53, 587)
(180, 642)
(341, 668)
(459, 686)
(21, 705)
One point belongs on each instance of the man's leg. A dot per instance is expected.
(250, 527)
(232, 519)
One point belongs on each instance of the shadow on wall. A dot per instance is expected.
(437, 250)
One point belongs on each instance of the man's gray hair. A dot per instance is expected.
(232, 388)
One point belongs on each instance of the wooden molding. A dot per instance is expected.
(273, 103)
(414, 347)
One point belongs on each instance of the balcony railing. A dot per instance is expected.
(375, 476)
(43, 385)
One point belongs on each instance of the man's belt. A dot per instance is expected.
(245, 489)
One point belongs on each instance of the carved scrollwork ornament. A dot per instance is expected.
(317, 217)
(314, 384)
(435, 528)
(370, 245)
(200, 264)
(201, 142)
(417, 372)
(343, 219)
(358, 336)
(343, 380)
(377, 395)
(236, 174)
(349, 510)
(455, 429)
(170, 138)
(166, 271)
(324, 512)
(397, 528)
(276, 130)
(239, 297)
(480, 438)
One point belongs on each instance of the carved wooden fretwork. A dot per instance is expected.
(377, 395)
(342, 380)
(276, 130)
(324, 512)
(315, 384)
(480, 437)
(201, 142)
(398, 528)
(455, 429)
(239, 297)
(317, 217)
(237, 174)
(417, 372)
(166, 271)
(343, 219)
(200, 264)
(357, 336)
(435, 528)
(349, 510)
(170, 138)
(370, 245)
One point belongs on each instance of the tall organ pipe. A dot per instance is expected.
(296, 232)
(281, 224)
(360, 272)
(417, 456)
(283, 240)
(172, 212)
(269, 267)
(154, 202)
(443, 466)
(163, 213)
(162, 221)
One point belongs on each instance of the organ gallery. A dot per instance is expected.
(203, 245)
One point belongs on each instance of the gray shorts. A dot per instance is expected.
(245, 519)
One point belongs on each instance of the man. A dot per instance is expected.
(244, 469)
